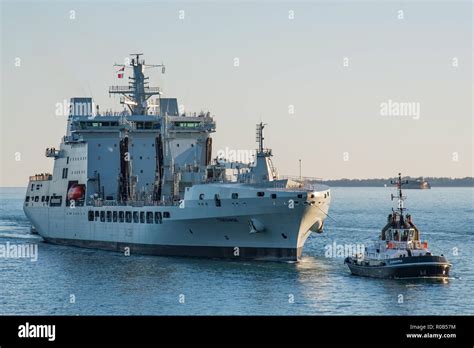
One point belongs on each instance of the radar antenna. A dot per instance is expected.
(137, 93)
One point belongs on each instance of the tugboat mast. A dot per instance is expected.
(137, 93)
(401, 198)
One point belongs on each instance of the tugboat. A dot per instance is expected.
(399, 253)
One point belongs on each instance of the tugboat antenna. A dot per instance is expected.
(401, 198)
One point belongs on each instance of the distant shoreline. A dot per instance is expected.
(434, 182)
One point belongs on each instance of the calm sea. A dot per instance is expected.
(70, 281)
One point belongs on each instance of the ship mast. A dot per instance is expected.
(137, 93)
(401, 198)
(259, 136)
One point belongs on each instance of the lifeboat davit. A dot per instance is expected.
(76, 192)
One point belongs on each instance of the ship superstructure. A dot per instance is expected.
(144, 179)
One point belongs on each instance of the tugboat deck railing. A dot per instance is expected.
(411, 244)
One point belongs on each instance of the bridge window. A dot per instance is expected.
(260, 194)
(149, 217)
(109, 216)
(90, 215)
(235, 196)
(36, 198)
(166, 215)
(42, 198)
(201, 196)
(121, 216)
(102, 216)
(135, 217)
(114, 216)
(142, 217)
(47, 199)
(158, 217)
(27, 199)
(96, 215)
(128, 216)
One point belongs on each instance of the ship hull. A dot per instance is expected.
(225, 234)
(221, 252)
(407, 267)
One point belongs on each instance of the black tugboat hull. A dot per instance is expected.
(406, 267)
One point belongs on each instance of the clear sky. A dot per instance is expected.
(287, 60)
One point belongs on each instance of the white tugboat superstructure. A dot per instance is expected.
(144, 179)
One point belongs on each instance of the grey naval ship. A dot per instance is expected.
(144, 180)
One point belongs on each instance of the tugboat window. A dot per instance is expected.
(142, 217)
(260, 194)
(135, 217)
(109, 216)
(166, 214)
(90, 215)
(274, 195)
(128, 216)
(114, 216)
(121, 214)
(235, 196)
(102, 216)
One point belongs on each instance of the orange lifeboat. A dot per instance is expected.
(76, 192)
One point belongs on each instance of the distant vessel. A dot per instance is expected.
(419, 183)
(144, 180)
(399, 253)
